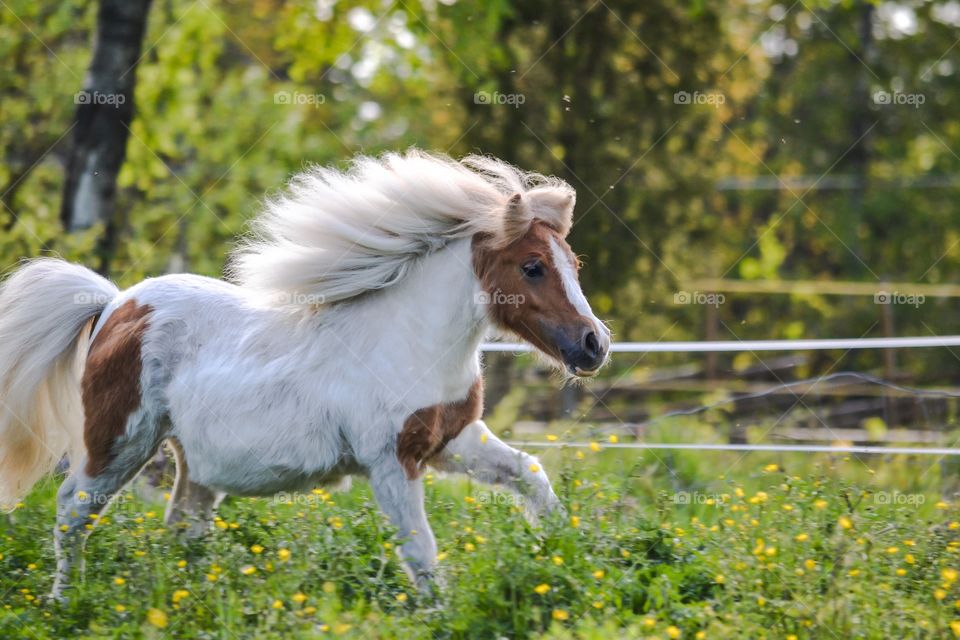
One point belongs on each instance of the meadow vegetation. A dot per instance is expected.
(653, 545)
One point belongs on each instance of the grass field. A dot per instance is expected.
(653, 546)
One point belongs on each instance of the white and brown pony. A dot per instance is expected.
(347, 345)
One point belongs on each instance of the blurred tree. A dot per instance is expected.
(594, 93)
(105, 107)
(692, 131)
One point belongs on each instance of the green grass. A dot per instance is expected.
(790, 546)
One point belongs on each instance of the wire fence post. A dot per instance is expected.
(889, 360)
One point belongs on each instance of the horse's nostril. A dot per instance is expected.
(591, 344)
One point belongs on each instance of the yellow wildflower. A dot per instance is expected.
(157, 618)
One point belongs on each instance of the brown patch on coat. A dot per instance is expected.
(111, 381)
(428, 430)
(535, 311)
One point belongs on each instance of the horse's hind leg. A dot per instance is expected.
(191, 505)
(90, 487)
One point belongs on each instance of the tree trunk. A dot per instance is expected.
(103, 116)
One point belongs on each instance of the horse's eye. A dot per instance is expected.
(533, 269)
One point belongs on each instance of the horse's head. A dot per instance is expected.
(529, 278)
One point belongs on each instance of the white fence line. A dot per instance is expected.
(782, 448)
(913, 342)
(717, 346)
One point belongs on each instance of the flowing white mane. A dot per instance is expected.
(336, 234)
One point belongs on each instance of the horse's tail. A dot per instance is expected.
(46, 313)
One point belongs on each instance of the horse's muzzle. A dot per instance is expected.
(585, 356)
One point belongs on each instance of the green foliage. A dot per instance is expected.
(775, 547)
(598, 85)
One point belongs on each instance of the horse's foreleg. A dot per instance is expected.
(90, 488)
(80, 500)
(402, 500)
(483, 456)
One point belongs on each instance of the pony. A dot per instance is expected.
(344, 341)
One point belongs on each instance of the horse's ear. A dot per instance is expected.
(553, 206)
(516, 219)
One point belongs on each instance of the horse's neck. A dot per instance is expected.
(428, 325)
